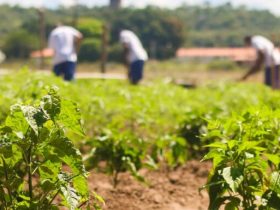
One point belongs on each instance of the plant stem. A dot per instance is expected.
(53, 198)
(6, 177)
(29, 164)
(115, 179)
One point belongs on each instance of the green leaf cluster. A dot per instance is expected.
(40, 168)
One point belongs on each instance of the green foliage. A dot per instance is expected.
(120, 152)
(19, 44)
(90, 50)
(161, 30)
(118, 120)
(91, 46)
(161, 33)
(245, 158)
(155, 125)
(90, 28)
(40, 167)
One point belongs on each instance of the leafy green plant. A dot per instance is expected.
(119, 152)
(246, 160)
(170, 149)
(39, 166)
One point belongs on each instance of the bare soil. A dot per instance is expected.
(173, 190)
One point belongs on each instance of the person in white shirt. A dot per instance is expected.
(267, 54)
(135, 55)
(65, 42)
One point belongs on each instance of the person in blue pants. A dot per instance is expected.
(135, 55)
(65, 42)
(267, 54)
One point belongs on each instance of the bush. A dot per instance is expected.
(160, 33)
(19, 44)
(90, 28)
(115, 53)
(90, 50)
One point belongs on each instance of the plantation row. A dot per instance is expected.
(130, 128)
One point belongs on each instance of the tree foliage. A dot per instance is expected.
(162, 31)
(19, 44)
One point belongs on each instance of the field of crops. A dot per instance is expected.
(53, 133)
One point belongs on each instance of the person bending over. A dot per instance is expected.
(267, 54)
(134, 54)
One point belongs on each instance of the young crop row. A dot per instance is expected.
(129, 127)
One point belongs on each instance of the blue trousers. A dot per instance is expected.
(272, 77)
(135, 73)
(67, 69)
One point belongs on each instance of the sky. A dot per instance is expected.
(272, 5)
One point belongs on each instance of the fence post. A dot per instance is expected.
(104, 50)
(42, 33)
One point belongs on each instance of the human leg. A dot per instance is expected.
(69, 70)
(268, 77)
(57, 69)
(277, 77)
(136, 71)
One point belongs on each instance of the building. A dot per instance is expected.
(238, 55)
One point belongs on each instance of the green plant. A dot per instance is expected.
(39, 165)
(246, 161)
(170, 149)
(120, 153)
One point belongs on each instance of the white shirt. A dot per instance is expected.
(272, 55)
(136, 49)
(62, 41)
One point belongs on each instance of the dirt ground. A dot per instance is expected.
(176, 190)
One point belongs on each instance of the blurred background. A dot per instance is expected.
(186, 39)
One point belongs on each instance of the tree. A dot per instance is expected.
(161, 33)
(19, 44)
(91, 45)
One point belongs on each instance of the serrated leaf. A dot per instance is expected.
(51, 103)
(30, 113)
(70, 117)
(16, 121)
(69, 193)
(233, 177)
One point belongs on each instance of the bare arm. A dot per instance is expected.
(78, 41)
(125, 55)
(256, 67)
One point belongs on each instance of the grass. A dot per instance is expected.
(193, 72)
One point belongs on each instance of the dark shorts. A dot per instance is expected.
(135, 73)
(66, 69)
(272, 77)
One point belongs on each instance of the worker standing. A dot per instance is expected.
(65, 42)
(135, 55)
(267, 54)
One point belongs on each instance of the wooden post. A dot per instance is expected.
(42, 38)
(75, 13)
(104, 50)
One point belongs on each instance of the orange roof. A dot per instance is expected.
(236, 54)
(46, 53)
